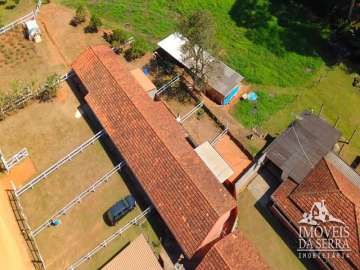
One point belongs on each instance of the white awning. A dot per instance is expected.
(214, 161)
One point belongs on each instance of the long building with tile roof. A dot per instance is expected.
(188, 197)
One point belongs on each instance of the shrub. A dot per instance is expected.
(80, 15)
(50, 88)
(137, 50)
(94, 24)
(10, 6)
(119, 35)
(118, 39)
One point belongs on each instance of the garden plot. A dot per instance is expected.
(50, 131)
(20, 58)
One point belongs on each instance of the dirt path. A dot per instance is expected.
(13, 249)
(68, 40)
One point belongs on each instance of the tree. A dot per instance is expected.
(94, 24)
(199, 30)
(80, 15)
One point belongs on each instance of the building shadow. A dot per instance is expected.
(263, 206)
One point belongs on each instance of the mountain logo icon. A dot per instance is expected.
(319, 214)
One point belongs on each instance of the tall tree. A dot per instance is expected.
(199, 30)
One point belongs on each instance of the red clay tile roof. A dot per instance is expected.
(234, 252)
(341, 197)
(183, 190)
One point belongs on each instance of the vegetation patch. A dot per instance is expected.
(255, 113)
(278, 51)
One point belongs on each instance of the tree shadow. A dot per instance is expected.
(282, 26)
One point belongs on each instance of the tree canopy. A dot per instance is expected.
(199, 29)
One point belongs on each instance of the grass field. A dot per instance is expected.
(10, 11)
(260, 61)
(333, 88)
(278, 49)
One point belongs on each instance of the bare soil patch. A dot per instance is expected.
(200, 126)
(70, 41)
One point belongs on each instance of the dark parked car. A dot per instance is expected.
(120, 209)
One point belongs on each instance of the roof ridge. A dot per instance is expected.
(167, 149)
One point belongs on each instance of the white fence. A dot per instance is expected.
(27, 17)
(167, 85)
(29, 94)
(15, 159)
(137, 220)
(219, 136)
(58, 164)
(191, 112)
(77, 199)
(30, 16)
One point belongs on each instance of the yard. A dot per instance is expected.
(281, 51)
(200, 126)
(19, 57)
(61, 44)
(10, 11)
(274, 242)
(49, 131)
(333, 88)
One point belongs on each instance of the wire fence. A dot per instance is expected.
(59, 163)
(27, 17)
(25, 229)
(136, 221)
(77, 199)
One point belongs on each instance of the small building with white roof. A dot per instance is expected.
(224, 83)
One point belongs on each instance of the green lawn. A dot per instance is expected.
(273, 44)
(339, 97)
(10, 11)
(264, 53)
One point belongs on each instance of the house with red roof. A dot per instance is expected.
(327, 198)
(233, 252)
(195, 207)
